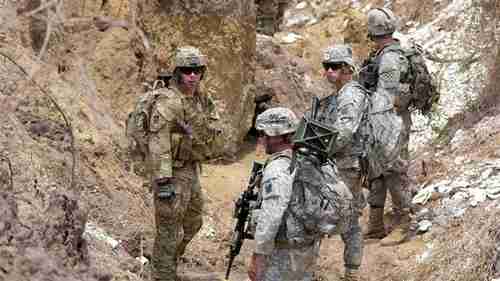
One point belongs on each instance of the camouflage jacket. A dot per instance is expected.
(344, 112)
(276, 188)
(169, 144)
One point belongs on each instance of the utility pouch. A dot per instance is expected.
(166, 192)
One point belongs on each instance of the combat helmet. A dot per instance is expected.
(189, 56)
(277, 121)
(381, 21)
(338, 54)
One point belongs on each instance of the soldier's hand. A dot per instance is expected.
(186, 128)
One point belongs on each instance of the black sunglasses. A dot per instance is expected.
(189, 70)
(333, 66)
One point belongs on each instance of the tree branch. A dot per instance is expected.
(40, 8)
(47, 36)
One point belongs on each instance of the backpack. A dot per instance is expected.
(137, 124)
(422, 88)
(322, 205)
(381, 132)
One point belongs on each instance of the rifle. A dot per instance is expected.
(241, 213)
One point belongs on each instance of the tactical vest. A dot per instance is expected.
(368, 76)
(418, 89)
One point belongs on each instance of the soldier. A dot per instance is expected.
(180, 135)
(282, 5)
(344, 111)
(383, 72)
(275, 257)
(270, 15)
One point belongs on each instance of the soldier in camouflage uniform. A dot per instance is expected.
(276, 258)
(344, 111)
(270, 15)
(383, 73)
(181, 132)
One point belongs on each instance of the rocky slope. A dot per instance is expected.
(66, 113)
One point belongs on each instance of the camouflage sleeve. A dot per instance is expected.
(351, 104)
(392, 65)
(276, 193)
(163, 121)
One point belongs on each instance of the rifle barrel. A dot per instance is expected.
(228, 271)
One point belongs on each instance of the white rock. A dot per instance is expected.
(477, 196)
(458, 139)
(493, 193)
(301, 5)
(96, 232)
(142, 259)
(423, 195)
(298, 20)
(291, 38)
(424, 226)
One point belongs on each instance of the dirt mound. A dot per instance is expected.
(283, 78)
(49, 246)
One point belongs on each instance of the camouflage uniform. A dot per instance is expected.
(177, 154)
(344, 112)
(284, 260)
(391, 67)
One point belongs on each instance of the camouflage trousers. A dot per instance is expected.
(177, 221)
(394, 182)
(296, 264)
(353, 239)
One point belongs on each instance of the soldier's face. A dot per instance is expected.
(190, 76)
(338, 74)
(272, 144)
(332, 71)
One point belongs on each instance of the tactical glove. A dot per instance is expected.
(186, 128)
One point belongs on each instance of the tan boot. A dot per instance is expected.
(376, 229)
(400, 234)
(351, 274)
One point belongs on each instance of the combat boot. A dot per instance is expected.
(376, 228)
(400, 234)
(351, 274)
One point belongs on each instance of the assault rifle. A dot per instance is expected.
(241, 213)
